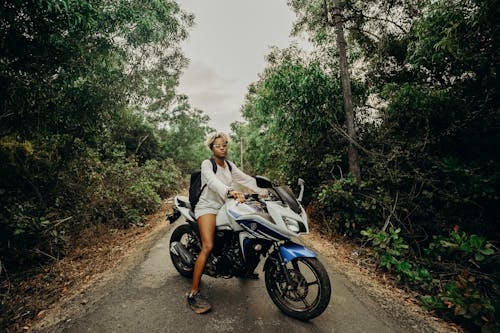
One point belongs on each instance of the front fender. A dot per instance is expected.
(290, 251)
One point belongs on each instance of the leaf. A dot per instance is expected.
(487, 251)
(476, 241)
(18, 232)
(448, 244)
(479, 257)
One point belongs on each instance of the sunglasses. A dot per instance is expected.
(220, 146)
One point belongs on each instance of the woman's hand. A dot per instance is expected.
(238, 196)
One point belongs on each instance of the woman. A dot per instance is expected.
(211, 200)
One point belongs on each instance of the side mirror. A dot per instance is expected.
(301, 183)
(263, 182)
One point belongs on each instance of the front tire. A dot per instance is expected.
(185, 235)
(309, 293)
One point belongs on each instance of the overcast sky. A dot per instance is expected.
(227, 49)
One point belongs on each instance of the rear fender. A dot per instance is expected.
(184, 207)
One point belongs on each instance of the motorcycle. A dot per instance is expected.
(295, 279)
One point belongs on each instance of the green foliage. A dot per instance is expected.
(297, 106)
(71, 66)
(123, 192)
(13, 151)
(89, 119)
(461, 247)
(344, 207)
(391, 250)
(462, 296)
(462, 299)
(183, 141)
(390, 242)
(87, 191)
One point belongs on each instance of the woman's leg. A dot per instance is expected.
(206, 224)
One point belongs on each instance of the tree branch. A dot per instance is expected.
(352, 140)
(141, 141)
(388, 219)
(383, 19)
(5, 115)
(367, 32)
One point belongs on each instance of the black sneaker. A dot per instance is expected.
(198, 302)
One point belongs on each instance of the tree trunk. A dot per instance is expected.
(241, 153)
(352, 152)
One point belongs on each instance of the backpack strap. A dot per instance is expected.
(214, 165)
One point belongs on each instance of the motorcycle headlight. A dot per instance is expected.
(291, 224)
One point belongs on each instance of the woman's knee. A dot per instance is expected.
(207, 247)
(206, 224)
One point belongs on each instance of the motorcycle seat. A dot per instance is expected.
(184, 203)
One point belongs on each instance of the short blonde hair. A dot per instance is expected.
(214, 136)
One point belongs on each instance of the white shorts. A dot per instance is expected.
(204, 211)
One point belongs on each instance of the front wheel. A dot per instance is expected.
(306, 294)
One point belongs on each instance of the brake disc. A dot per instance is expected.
(298, 290)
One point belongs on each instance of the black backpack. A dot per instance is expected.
(195, 187)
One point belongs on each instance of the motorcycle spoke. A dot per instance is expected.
(306, 303)
(308, 284)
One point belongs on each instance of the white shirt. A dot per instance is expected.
(214, 194)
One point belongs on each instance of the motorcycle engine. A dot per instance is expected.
(226, 259)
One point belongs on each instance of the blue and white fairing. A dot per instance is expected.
(279, 223)
(259, 223)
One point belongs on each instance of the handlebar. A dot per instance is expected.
(247, 196)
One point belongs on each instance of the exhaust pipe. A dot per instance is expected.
(180, 251)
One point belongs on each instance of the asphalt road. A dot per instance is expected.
(150, 298)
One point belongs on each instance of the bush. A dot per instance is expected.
(458, 272)
(467, 293)
(461, 299)
(122, 192)
(48, 200)
(348, 206)
(29, 222)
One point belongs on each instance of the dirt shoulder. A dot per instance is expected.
(59, 290)
(64, 289)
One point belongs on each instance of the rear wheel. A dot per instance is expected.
(307, 294)
(185, 235)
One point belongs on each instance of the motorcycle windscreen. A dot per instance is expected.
(286, 195)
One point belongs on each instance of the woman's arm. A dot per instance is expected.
(245, 180)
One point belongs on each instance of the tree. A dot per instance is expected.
(84, 85)
(297, 106)
(346, 86)
(331, 17)
(183, 137)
